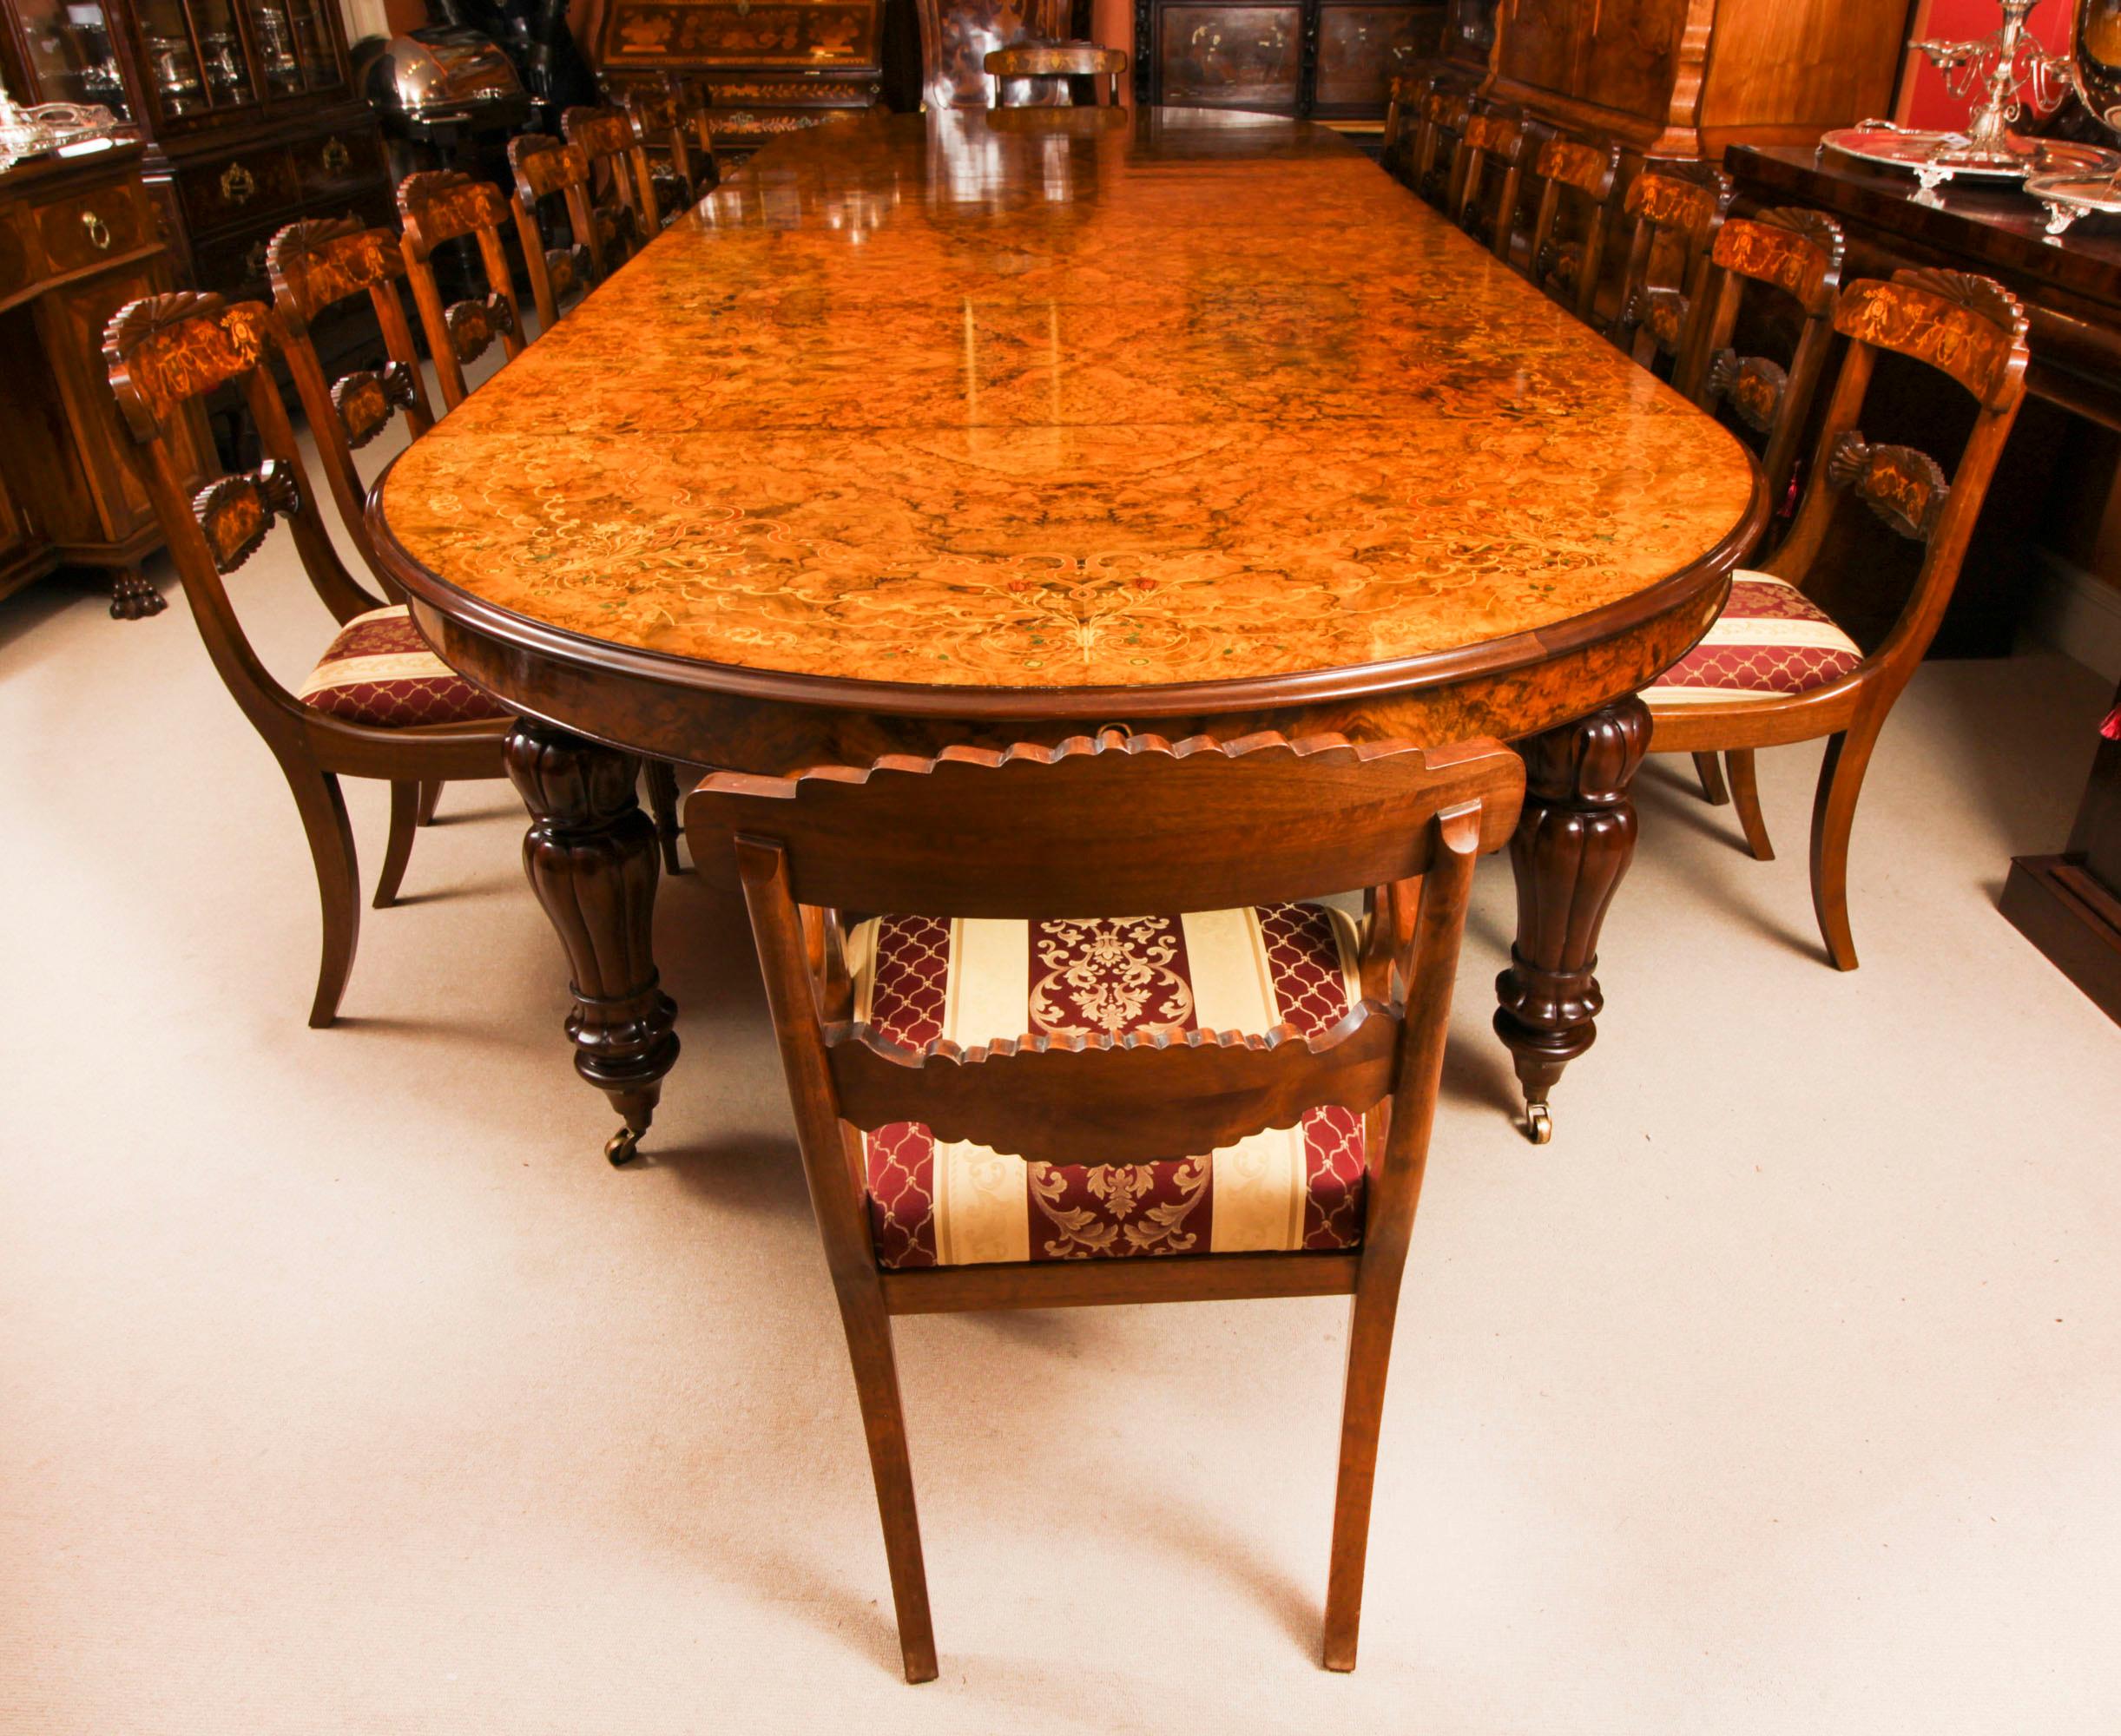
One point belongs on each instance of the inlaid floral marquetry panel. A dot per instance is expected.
(1195, 398)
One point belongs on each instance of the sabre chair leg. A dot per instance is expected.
(876, 1382)
(431, 798)
(1745, 792)
(1362, 1410)
(1834, 814)
(339, 887)
(1711, 776)
(404, 817)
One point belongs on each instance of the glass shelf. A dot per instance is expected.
(69, 54)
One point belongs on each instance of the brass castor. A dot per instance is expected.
(1538, 1124)
(622, 1146)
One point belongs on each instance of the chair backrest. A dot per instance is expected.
(322, 263)
(1969, 330)
(1098, 828)
(439, 206)
(1049, 67)
(1797, 253)
(1495, 138)
(1403, 99)
(1445, 112)
(162, 353)
(1677, 208)
(1577, 177)
(958, 36)
(545, 168)
(668, 115)
(626, 219)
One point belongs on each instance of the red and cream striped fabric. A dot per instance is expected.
(1770, 640)
(379, 671)
(937, 1203)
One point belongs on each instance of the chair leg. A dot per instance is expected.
(431, 798)
(404, 816)
(339, 885)
(876, 1381)
(1745, 792)
(1711, 776)
(1834, 814)
(662, 802)
(1369, 1355)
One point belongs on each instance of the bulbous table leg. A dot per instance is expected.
(590, 854)
(132, 598)
(1573, 844)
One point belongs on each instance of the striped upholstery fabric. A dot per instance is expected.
(918, 978)
(379, 671)
(1770, 640)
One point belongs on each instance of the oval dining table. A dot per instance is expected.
(985, 427)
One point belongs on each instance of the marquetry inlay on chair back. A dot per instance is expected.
(668, 115)
(625, 213)
(164, 352)
(1098, 831)
(1038, 73)
(1675, 208)
(440, 206)
(560, 275)
(1797, 253)
(1490, 175)
(1576, 212)
(1972, 331)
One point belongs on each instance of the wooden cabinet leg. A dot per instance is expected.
(132, 598)
(591, 858)
(1573, 844)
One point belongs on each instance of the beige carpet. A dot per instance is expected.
(343, 1388)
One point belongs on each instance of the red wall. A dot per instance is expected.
(1926, 103)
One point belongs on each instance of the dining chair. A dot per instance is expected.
(1575, 214)
(606, 137)
(1495, 139)
(323, 263)
(1445, 112)
(545, 169)
(1043, 71)
(1677, 208)
(1223, 1105)
(378, 703)
(666, 116)
(1403, 98)
(439, 206)
(1776, 667)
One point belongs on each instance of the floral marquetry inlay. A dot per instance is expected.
(938, 403)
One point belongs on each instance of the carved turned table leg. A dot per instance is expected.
(1572, 845)
(592, 856)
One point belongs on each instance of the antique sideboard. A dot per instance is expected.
(80, 237)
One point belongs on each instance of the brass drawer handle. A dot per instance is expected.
(99, 231)
(238, 184)
(337, 157)
(254, 261)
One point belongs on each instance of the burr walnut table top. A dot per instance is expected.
(1038, 412)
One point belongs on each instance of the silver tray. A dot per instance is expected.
(1935, 159)
(2069, 196)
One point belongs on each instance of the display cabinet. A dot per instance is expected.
(1324, 60)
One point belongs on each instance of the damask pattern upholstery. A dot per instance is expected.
(379, 671)
(936, 1203)
(1771, 640)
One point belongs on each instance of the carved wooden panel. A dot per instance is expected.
(366, 400)
(1224, 56)
(1362, 47)
(235, 512)
(702, 32)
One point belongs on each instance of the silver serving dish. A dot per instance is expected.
(2069, 196)
(1936, 159)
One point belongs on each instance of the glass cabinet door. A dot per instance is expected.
(69, 54)
(195, 60)
(293, 45)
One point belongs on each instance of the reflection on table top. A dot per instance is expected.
(1044, 398)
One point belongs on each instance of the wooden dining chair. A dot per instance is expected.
(666, 117)
(1234, 1104)
(547, 170)
(1776, 667)
(1575, 212)
(378, 703)
(1490, 175)
(624, 210)
(1677, 208)
(440, 206)
(1445, 112)
(1044, 73)
(322, 263)
(1403, 100)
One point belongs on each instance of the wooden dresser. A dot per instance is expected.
(79, 238)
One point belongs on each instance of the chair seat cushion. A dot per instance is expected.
(937, 1203)
(1770, 641)
(379, 672)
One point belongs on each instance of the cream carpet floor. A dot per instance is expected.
(345, 1388)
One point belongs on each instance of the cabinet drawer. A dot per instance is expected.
(240, 188)
(336, 163)
(84, 227)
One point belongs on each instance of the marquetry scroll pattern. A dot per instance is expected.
(366, 399)
(167, 350)
(473, 325)
(1964, 325)
(1782, 248)
(320, 263)
(1904, 487)
(235, 512)
(1754, 386)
